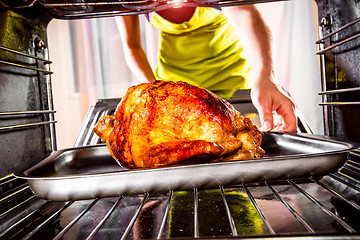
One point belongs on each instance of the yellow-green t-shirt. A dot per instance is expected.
(204, 51)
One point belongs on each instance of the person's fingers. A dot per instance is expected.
(263, 105)
(266, 118)
(276, 110)
(288, 119)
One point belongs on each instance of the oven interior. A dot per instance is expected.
(325, 207)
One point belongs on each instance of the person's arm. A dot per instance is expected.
(276, 110)
(135, 55)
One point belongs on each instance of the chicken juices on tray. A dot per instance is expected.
(163, 123)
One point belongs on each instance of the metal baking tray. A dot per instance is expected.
(90, 172)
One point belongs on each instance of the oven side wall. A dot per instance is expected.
(24, 78)
(341, 68)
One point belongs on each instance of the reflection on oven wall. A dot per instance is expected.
(88, 62)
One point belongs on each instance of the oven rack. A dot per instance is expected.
(339, 48)
(28, 65)
(326, 22)
(123, 216)
(77, 9)
(45, 61)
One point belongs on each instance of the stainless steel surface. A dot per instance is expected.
(326, 114)
(105, 8)
(339, 43)
(339, 103)
(340, 91)
(323, 208)
(24, 54)
(26, 112)
(102, 107)
(295, 209)
(25, 67)
(27, 125)
(91, 172)
(339, 30)
(40, 46)
(327, 22)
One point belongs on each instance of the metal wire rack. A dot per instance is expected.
(296, 208)
(28, 65)
(338, 50)
(333, 45)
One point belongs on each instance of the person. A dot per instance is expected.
(201, 45)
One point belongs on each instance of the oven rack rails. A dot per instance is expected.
(323, 208)
(29, 65)
(339, 50)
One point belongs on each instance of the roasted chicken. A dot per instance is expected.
(162, 123)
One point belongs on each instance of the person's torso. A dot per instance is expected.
(204, 51)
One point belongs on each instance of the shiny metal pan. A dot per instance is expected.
(90, 172)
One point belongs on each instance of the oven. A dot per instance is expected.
(311, 207)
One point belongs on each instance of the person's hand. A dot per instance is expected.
(276, 110)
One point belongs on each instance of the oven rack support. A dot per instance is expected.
(339, 48)
(323, 50)
(30, 113)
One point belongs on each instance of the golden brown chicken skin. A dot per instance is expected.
(162, 123)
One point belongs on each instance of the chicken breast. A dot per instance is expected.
(162, 123)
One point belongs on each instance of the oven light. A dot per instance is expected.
(177, 3)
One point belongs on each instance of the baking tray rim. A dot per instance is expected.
(348, 146)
